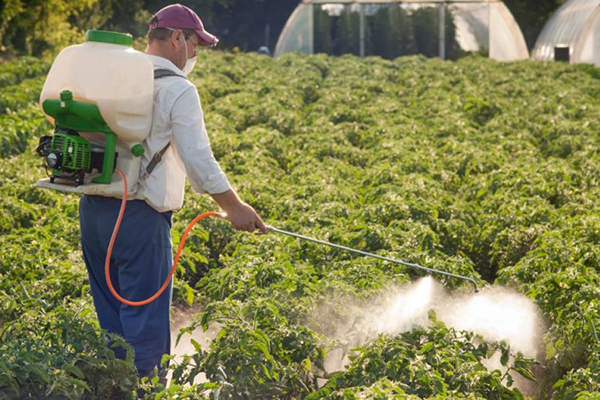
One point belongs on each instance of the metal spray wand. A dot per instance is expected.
(364, 253)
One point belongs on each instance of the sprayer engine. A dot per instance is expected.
(70, 156)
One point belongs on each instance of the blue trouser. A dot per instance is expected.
(140, 262)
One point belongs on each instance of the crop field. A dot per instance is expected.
(474, 167)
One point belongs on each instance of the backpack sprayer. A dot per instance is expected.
(101, 116)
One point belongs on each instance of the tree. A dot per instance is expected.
(128, 16)
(37, 26)
(40, 27)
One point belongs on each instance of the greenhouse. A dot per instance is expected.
(572, 34)
(393, 28)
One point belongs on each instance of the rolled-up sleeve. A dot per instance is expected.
(192, 144)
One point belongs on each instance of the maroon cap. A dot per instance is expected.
(177, 16)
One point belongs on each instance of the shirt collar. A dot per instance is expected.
(162, 62)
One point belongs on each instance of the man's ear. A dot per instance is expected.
(176, 37)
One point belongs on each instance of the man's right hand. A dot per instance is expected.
(245, 218)
(241, 215)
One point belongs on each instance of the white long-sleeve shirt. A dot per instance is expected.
(178, 118)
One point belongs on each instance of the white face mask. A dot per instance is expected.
(189, 64)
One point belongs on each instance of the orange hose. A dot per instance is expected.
(112, 242)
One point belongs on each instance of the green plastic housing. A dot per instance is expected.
(83, 117)
(76, 151)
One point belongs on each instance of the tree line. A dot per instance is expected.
(41, 27)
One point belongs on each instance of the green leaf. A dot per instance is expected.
(504, 357)
(196, 345)
(266, 371)
(79, 383)
(306, 365)
(40, 373)
(525, 373)
(189, 294)
(426, 348)
(221, 334)
(72, 369)
(550, 351)
(559, 383)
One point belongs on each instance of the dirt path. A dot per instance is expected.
(182, 317)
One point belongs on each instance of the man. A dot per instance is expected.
(142, 256)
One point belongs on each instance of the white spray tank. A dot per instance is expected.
(99, 96)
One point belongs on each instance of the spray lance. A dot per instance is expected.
(269, 228)
(364, 253)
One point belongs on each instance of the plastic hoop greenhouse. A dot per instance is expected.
(393, 28)
(572, 34)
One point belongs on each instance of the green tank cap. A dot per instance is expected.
(137, 150)
(124, 39)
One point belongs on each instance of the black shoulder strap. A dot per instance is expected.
(158, 74)
(163, 73)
